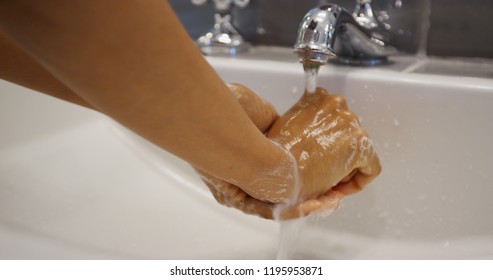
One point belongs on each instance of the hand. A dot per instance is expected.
(332, 151)
(263, 115)
(261, 112)
(232, 196)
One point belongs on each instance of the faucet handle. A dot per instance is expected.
(365, 16)
(363, 13)
(241, 3)
(223, 38)
(199, 2)
(223, 5)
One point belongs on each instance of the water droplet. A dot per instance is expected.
(396, 122)
(261, 31)
(383, 214)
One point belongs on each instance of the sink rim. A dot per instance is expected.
(404, 68)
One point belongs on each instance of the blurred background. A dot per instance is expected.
(443, 28)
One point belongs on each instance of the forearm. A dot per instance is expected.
(134, 62)
(20, 68)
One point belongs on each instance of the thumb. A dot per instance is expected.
(262, 113)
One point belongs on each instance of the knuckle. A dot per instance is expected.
(359, 133)
(350, 116)
(340, 100)
(240, 91)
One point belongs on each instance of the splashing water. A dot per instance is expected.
(289, 238)
(291, 230)
(291, 233)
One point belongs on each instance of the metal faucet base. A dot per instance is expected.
(373, 61)
(223, 38)
(220, 43)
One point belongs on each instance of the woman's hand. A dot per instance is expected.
(332, 151)
(232, 196)
(263, 115)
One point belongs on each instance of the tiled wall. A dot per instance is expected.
(456, 27)
(461, 28)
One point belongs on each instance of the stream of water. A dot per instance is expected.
(311, 74)
(290, 231)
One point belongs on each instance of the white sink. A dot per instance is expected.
(74, 184)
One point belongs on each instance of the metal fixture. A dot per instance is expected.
(330, 31)
(223, 38)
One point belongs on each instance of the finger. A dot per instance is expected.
(348, 177)
(262, 113)
(236, 198)
(215, 193)
(256, 207)
(232, 196)
(214, 186)
(363, 177)
(329, 201)
(348, 188)
(227, 196)
(370, 166)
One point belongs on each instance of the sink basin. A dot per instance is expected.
(474, 68)
(75, 184)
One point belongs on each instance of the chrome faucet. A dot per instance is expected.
(223, 38)
(329, 31)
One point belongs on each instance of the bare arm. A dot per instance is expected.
(134, 62)
(19, 67)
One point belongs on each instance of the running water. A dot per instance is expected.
(291, 231)
(289, 238)
(311, 73)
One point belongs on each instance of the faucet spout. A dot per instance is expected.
(316, 34)
(330, 31)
